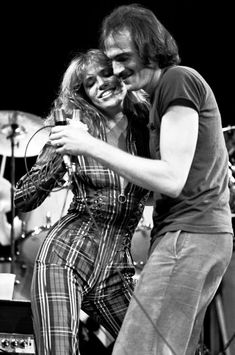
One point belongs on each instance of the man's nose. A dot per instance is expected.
(118, 68)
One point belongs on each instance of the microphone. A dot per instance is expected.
(60, 120)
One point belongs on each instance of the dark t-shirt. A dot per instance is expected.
(203, 205)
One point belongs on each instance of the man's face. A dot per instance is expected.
(126, 62)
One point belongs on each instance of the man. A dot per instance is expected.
(191, 240)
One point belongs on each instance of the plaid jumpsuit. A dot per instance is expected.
(84, 262)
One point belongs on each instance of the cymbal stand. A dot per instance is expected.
(12, 130)
(12, 136)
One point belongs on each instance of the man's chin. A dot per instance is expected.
(131, 86)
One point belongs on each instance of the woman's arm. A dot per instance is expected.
(46, 174)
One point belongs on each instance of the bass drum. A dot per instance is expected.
(28, 248)
(49, 212)
(29, 245)
(36, 227)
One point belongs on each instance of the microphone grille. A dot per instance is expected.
(59, 117)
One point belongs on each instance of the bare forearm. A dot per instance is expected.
(166, 175)
(151, 174)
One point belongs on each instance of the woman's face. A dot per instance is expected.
(104, 89)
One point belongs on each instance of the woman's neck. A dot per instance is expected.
(117, 120)
(116, 131)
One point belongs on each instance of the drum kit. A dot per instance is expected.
(23, 135)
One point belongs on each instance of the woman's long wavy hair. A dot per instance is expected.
(73, 96)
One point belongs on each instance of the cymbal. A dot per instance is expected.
(20, 127)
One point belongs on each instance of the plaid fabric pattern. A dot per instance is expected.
(80, 260)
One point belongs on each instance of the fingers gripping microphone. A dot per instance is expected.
(60, 120)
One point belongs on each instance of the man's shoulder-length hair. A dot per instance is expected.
(152, 41)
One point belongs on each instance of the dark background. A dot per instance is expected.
(39, 39)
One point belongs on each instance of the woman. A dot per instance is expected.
(85, 259)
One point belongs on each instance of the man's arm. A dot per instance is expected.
(178, 138)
